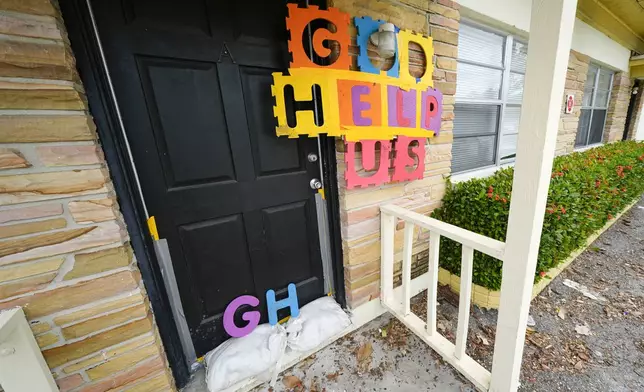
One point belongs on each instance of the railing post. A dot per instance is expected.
(551, 30)
(22, 366)
(406, 266)
(455, 354)
(467, 265)
(432, 289)
(387, 232)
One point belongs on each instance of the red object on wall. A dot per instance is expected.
(570, 103)
(403, 161)
(297, 21)
(368, 163)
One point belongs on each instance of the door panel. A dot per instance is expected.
(165, 79)
(222, 264)
(288, 249)
(193, 79)
(275, 155)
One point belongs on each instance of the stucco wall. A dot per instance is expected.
(599, 47)
(64, 251)
(516, 13)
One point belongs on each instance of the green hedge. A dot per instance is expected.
(586, 190)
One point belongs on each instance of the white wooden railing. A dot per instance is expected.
(454, 354)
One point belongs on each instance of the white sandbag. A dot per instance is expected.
(317, 322)
(255, 354)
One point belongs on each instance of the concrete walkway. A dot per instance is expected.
(367, 360)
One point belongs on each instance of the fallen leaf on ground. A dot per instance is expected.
(640, 345)
(332, 376)
(291, 382)
(584, 290)
(307, 362)
(540, 340)
(562, 313)
(314, 386)
(397, 334)
(483, 340)
(583, 330)
(363, 356)
(531, 322)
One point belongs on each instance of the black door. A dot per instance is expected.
(193, 79)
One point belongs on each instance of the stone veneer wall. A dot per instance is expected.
(360, 214)
(575, 79)
(64, 251)
(618, 107)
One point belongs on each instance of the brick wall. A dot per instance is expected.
(359, 207)
(64, 251)
(618, 107)
(575, 79)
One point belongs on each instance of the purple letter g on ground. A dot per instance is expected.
(252, 317)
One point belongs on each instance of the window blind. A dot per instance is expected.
(594, 106)
(488, 98)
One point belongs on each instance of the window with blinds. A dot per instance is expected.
(594, 106)
(491, 72)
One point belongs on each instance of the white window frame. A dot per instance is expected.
(592, 107)
(501, 102)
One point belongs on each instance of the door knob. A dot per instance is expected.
(315, 184)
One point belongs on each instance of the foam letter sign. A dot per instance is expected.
(432, 109)
(371, 106)
(296, 22)
(367, 26)
(359, 104)
(404, 161)
(368, 163)
(427, 45)
(288, 302)
(252, 317)
(402, 107)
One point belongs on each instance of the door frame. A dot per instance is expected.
(90, 66)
